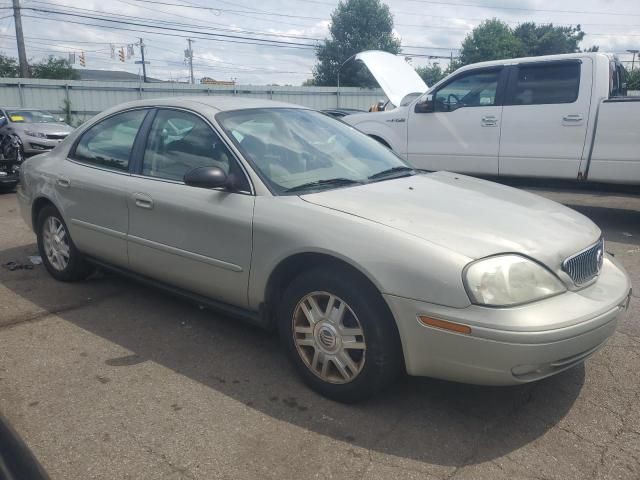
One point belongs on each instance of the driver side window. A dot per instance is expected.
(179, 142)
(475, 89)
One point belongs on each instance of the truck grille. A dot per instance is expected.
(584, 266)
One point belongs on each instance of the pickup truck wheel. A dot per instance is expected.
(59, 254)
(339, 334)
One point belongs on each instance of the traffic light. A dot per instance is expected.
(82, 60)
(121, 54)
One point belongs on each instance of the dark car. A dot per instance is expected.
(16, 460)
(341, 112)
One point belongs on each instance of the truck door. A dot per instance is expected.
(544, 119)
(460, 129)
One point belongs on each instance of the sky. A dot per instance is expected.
(425, 28)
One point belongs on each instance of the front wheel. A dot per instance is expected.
(59, 254)
(339, 334)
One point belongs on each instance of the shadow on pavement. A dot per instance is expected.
(427, 420)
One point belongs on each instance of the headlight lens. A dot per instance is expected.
(507, 280)
(31, 133)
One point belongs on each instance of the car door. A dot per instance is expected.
(545, 117)
(461, 130)
(91, 186)
(194, 238)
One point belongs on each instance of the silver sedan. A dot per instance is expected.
(287, 218)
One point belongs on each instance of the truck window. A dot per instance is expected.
(475, 89)
(617, 82)
(545, 83)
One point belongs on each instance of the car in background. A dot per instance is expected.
(285, 217)
(341, 112)
(17, 462)
(562, 117)
(38, 130)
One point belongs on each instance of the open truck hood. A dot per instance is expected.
(394, 75)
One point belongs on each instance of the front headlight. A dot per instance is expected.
(507, 280)
(31, 133)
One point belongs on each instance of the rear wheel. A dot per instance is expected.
(59, 254)
(339, 334)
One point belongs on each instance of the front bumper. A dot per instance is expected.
(9, 177)
(513, 345)
(38, 145)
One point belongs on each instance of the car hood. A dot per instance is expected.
(49, 128)
(394, 75)
(473, 217)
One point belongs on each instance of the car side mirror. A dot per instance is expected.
(3, 121)
(425, 105)
(206, 177)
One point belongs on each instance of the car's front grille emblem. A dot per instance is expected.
(584, 266)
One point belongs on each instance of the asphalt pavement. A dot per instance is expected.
(108, 379)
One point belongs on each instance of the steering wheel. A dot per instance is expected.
(449, 100)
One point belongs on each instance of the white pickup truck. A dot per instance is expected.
(558, 116)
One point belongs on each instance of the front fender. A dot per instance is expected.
(396, 262)
(391, 127)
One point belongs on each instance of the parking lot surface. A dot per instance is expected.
(108, 379)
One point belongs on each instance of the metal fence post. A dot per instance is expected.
(21, 94)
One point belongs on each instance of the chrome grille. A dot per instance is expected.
(584, 266)
(57, 136)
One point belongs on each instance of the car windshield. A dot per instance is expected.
(32, 116)
(297, 150)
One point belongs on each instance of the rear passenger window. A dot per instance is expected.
(546, 83)
(109, 143)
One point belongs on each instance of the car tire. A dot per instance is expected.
(374, 357)
(58, 252)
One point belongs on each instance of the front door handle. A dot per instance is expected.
(143, 200)
(63, 182)
(489, 121)
(573, 119)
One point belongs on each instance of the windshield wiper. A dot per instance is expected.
(391, 173)
(330, 182)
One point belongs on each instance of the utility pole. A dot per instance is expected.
(144, 65)
(633, 60)
(22, 54)
(190, 58)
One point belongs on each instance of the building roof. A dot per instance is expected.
(110, 76)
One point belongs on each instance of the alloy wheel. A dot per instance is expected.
(56, 243)
(329, 337)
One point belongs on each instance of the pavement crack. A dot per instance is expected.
(44, 314)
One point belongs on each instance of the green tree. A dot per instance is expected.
(356, 25)
(8, 66)
(431, 74)
(491, 40)
(548, 39)
(434, 73)
(54, 68)
(633, 79)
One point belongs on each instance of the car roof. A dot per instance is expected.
(217, 102)
(546, 58)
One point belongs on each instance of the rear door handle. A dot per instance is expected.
(143, 200)
(573, 119)
(63, 182)
(489, 121)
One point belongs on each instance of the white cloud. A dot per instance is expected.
(435, 28)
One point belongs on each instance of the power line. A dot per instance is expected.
(220, 27)
(124, 22)
(165, 34)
